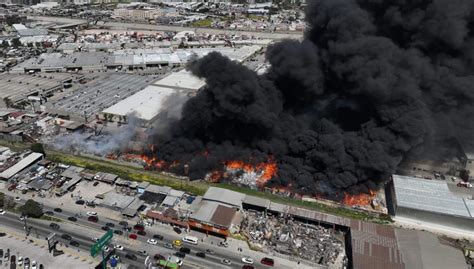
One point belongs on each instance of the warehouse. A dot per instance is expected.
(212, 218)
(102, 92)
(430, 201)
(21, 165)
(15, 89)
(225, 197)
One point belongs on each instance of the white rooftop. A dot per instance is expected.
(22, 164)
(148, 103)
(181, 80)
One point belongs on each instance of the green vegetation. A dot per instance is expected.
(2, 197)
(37, 147)
(202, 23)
(31, 209)
(49, 218)
(128, 172)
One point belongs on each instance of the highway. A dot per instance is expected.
(171, 28)
(84, 232)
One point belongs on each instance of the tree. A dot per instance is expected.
(31, 209)
(16, 42)
(37, 147)
(2, 197)
(464, 175)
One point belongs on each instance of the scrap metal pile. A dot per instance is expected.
(289, 237)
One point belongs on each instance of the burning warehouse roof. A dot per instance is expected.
(372, 82)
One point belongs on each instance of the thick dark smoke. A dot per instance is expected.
(372, 82)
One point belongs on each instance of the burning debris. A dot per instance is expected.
(373, 82)
(308, 242)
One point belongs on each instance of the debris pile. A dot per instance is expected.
(284, 235)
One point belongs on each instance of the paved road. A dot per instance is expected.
(84, 231)
(171, 28)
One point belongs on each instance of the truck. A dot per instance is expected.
(463, 184)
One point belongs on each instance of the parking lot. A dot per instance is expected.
(37, 251)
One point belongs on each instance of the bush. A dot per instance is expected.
(37, 147)
(31, 209)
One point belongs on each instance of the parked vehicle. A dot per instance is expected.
(132, 236)
(73, 219)
(57, 209)
(54, 226)
(139, 227)
(158, 236)
(226, 262)
(185, 250)
(190, 239)
(268, 261)
(93, 218)
(201, 254)
(66, 237)
(74, 243)
(142, 233)
(247, 260)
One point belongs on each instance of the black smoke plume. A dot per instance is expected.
(372, 82)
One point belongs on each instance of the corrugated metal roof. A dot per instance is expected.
(22, 164)
(429, 195)
(224, 196)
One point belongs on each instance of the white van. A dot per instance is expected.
(190, 239)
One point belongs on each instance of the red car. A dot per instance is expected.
(247, 267)
(133, 236)
(268, 261)
(139, 227)
(93, 218)
(12, 187)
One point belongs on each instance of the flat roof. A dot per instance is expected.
(22, 164)
(223, 216)
(205, 211)
(158, 189)
(224, 196)
(113, 199)
(149, 103)
(430, 195)
(183, 80)
(257, 201)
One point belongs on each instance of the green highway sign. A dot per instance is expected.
(104, 240)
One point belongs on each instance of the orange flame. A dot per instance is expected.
(268, 169)
(361, 199)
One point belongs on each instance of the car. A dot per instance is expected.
(49, 213)
(201, 254)
(152, 241)
(1, 253)
(180, 255)
(80, 202)
(95, 183)
(247, 260)
(246, 266)
(267, 261)
(118, 232)
(110, 224)
(54, 226)
(57, 209)
(226, 262)
(33, 265)
(142, 233)
(95, 239)
(66, 237)
(143, 252)
(168, 245)
(73, 219)
(93, 218)
(138, 227)
(209, 251)
(91, 213)
(91, 204)
(2, 212)
(123, 223)
(105, 228)
(12, 260)
(12, 187)
(23, 217)
(132, 236)
(7, 254)
(17, 198)
(74, 244)
(27, 263)
(223, 244)
(2, 234)
(158, 236)
(20, 261)
(185, 250)
(106, 249)
(159, 257)
(177, 230)
(119, 247)
(131, 256)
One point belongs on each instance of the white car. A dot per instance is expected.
(247, 260)
(227, 262)
(2, 212)
(20, 261)
(33, 265)
(152, 241)
(119, 247)
(106, 249)
(91, 213)
(17, 198)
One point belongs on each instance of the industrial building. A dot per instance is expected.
(15, 89)
(102, 92)
(430, 201)
(24, 163)
(130, 59)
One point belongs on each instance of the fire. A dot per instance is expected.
(152, 162)
(267, 169)
(362, 199)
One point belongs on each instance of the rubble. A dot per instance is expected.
(286, 236)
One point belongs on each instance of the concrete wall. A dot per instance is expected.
(436, 218)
